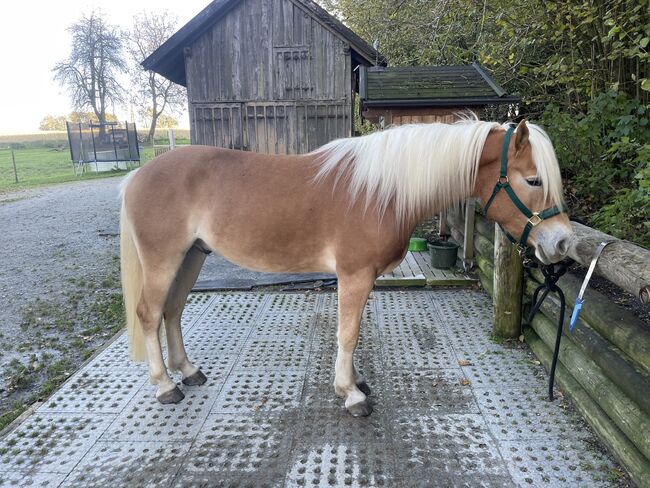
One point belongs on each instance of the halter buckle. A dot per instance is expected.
(535, 219)
(503, 180)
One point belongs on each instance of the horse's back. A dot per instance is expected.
(263, 212)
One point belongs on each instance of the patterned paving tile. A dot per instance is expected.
(452, 408)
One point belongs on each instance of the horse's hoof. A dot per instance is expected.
(171, 396)
(197, 379)
(361, 409)
(365, 389)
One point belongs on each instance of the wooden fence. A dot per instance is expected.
(604, 364)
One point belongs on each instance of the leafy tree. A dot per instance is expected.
(154, 94)
(52, 122)
(167, 122)
(57, 122)
(96, 59)
(582, 67)
(89, 117)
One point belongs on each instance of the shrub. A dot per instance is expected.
(605, 159)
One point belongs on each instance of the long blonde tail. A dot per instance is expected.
(131, 286)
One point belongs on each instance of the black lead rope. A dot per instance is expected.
(552, 274)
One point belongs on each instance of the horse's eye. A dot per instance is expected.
(534, 182)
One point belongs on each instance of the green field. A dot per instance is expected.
(44, 159)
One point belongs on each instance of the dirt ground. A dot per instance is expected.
(59, 285)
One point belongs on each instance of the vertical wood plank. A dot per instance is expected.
(508, 286)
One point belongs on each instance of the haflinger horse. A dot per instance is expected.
(347, 208)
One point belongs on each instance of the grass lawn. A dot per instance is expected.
(45, 166)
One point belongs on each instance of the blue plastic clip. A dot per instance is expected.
(575, 314)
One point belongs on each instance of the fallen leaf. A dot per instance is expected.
(465, 382)
(464, 362)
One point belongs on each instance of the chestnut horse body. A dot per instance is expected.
(348, 208)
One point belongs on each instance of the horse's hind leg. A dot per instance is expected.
(185, 279)
(353, 293)
(156, 285)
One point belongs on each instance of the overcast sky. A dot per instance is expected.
(33, 38)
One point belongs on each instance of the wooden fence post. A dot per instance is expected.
(508, 287)
(172, 140)
(468, 240)
(13, 159)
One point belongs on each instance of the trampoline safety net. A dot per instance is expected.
(103, 142)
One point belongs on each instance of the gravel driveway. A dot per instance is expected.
(59, 272)
(59, 284)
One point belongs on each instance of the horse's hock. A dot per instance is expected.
(451, 406)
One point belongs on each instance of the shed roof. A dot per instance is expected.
(430, 86)
(168, 60)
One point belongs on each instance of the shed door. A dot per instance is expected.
(218, 125)
(294, 127)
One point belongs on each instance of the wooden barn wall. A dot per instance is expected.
(415, 115)
(269, 78)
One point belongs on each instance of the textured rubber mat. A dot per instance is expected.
(452, 408)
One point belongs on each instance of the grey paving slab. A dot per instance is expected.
(129, 464)
(220, 274)
(452, 408)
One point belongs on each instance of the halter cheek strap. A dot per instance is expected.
(534, 218)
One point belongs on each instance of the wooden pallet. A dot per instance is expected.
(416, 270)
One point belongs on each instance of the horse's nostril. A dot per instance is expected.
(563, 246)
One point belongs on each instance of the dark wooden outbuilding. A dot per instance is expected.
(394, 96)
(274, 76)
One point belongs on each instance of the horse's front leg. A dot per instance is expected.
(353, 290)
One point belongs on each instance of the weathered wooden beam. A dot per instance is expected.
(624, 412)
(614, 323)
(468, 231)
(508, 287)
(487, 268)
(455, 218)
(457, 235)
(442, 223)
(622, 263)
(486, 281)
(484, 226)
(484, 246)
(618, 443)
(614, 363)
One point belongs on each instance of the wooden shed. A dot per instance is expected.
(273, 76)
(394, 96)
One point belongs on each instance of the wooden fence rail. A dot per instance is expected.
(604, 364)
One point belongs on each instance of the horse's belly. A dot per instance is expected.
(273, 258)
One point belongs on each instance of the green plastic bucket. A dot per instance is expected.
(443, 254)
(417, 244)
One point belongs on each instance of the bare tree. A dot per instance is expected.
(96, 59)
(153, 94)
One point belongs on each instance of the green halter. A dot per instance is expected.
(534, 218)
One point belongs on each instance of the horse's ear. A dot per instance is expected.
(521, 135)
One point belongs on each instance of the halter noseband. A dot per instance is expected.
(534, 218)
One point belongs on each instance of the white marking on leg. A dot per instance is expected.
(353, 294)
(157, 370)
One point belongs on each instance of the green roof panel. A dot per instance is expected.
(430, 84)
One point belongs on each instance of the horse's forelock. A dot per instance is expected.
(546, 162)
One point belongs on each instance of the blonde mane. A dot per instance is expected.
(421, 168)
